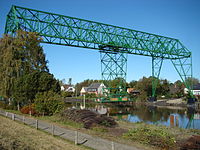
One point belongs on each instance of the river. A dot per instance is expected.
(169, 116)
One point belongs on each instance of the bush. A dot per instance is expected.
(48, 103)
(28, 108)
(90, 95)
(67, 94)
(5, 105)
(152, 136)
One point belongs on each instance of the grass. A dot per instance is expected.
(21, 137)
(140, 135)
(147, 134)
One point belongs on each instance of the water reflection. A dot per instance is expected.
(180, 117)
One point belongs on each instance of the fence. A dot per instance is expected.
(77, 137)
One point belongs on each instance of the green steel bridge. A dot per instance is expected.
(114, 44)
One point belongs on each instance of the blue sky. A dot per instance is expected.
(173, 18)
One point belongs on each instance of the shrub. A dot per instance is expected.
(67, 94)
(152, 136)
(5, 105)
(28, 108)
(90, 95)
(48, 103)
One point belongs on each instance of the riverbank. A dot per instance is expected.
(148, 137)
(169, 102)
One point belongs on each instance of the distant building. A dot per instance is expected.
(96, 88)
(133, 91)
(83, 90)
(195, 90)
(68, 88)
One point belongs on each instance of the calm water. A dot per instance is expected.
(173, 116)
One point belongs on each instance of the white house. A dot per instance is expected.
(96, 88)
(68, 88)
(195, 90)
(83, 90)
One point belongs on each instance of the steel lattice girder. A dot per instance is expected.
(65, 30)
(70, 31)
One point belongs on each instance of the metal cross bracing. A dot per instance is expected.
(113, 67)
(156, 68)
(112, 41)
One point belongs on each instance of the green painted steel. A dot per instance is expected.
(184, 68)
(112, 41)
(71, 31)
(113, 67)
(156, 68)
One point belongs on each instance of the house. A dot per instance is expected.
(195, 90)
(133, 91)
(67, 88)
(83, 90)
(96, 88)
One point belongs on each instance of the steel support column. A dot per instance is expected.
(113, 67)
(184, 68)
(156, 68)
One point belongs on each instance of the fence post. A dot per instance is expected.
(13, 117)
(113, 146)
(36, 124)
(6, 114)
(30, 113)
(23, 119)
(76, 138)
(52, 129)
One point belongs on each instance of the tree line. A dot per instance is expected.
(165, 89)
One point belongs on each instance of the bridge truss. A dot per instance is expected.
(114, 44)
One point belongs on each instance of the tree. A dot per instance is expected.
(19, 55)
(163, 88)
(179, 86)
(192, 81)
(7, 69)
(26, 87)
(133, 84)
(145, 85)
(48, 103)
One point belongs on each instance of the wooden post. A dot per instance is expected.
(52, 129)
(36, 124)
(171, 120)
(84, 101)
(13, 117)
(6, 114)
(30, 113)
(177, 122)
(23, 119)
(76, 138)
(113, 146)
